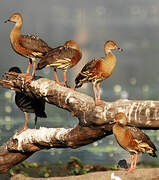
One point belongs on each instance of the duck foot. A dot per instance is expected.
(99, 102)
(21, 130)
(72, 88)
(69, 87)
(61, 84)
(23, 75)
(122, 169)
(28, 79)
(128, 170)
(131, 169)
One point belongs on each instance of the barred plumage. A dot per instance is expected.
(132, 139)
(29, 46)
(62, 57)
(97, 70)
(86, 75)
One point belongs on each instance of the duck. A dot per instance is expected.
(29, 46)
(98, 69)
(62, 57)
(28, 104)
(132, 139)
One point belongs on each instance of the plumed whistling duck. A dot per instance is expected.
(28, 104)
(29, 46)
(98, 69)
(132, 139)
(62, 57)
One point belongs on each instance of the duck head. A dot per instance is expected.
(120, 118)
(15, 18)
(111, 45)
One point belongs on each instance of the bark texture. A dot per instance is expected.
(93, 120)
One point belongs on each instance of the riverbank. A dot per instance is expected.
(139, 174)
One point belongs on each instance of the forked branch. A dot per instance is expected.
(93, 120)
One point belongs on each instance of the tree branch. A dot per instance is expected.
(93, 120)
(20, 147)
(143, 114)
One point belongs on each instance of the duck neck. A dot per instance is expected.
(109, 54)
(118, 129)
(15, 33)
(110, 61)
(108, 51)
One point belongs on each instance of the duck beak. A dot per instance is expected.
(119, 49)
(112, 122)
(8, 20)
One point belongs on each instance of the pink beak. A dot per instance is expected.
(113, 121)
(119, 49)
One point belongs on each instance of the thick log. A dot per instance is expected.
(24, 145)
(93, 120)
(9, 159)
(143, 114)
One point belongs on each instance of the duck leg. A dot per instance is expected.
(30, 78)
(136, 159)
(131, 166)
(34, 68)
(65, 78)
(99, 101)
(29, 66)
(57, 80)
(25, 124)
(24, 75)
(131, 169)
(35, 122)
(94, 92)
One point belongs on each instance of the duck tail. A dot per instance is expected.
(80, 79)
(153, 154)
(41, 114)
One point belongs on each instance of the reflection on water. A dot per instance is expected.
(133, 25)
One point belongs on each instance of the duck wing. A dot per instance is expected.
(141, 137)
(34, 43)
(60, 57)
(86, 74)
(31, 105)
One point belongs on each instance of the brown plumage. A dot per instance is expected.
(29, 46)
(28, 104)
(62, 57)
(98, 69)
(132, 139)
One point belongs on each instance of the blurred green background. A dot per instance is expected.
(133, 25)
